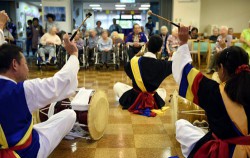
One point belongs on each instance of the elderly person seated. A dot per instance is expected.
(79, 44)
(105, 47)
(117, 41)
(92, 43)
(173, 42)
(164, 35)
(231, 32)
(223, 41)
(135, 41)
(215, 35)
(49, 41)
(194, 33)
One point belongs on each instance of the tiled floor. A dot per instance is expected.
(127, 135)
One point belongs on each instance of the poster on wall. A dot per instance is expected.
(59, 12)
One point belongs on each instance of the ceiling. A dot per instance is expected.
(111, 6)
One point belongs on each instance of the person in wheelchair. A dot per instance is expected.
(135, 41)
(105, 47)
(79, 44)
(92, 44)
(49, 42)
(117, 41)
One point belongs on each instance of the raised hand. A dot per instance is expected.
(183, 35)
(3, 19)
(70, 46)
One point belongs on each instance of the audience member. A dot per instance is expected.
(231, 32)
(135, 41)
(79, 44)
(92, 43)
(105, 46)
(37, 33)
(150, 26)
(50, 23)
(116, 39)
(3, 20)
(28, 37)
(223, 41)
(115, 27)
(215, 35)
(173, 42)
(98, 28)
(194, 33)
(164, 35)
(12, 29)
(7, 35)
(49, 42)
(245, 39)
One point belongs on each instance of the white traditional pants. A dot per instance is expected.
(187, 135)
(120, 88)
(52, 131)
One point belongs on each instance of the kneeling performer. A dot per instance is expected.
(146, 73)
(20, 97)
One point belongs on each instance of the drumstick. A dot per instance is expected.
(151, 13)
(78, 29)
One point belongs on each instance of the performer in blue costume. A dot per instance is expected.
(20, 97)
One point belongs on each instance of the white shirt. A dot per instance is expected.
(42, 92)
(180, 59)
(150, 55)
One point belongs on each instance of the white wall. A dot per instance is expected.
(232, 13)
(25, 12)
(78, 8)
(67, 25)
(187, 13)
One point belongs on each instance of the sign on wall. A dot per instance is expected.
(59, 12)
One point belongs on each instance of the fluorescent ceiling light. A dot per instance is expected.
(94, 5)
(120, 5)
(127, 1)
(145, 5)
(97, 8)
(143, 8)
(120, 8)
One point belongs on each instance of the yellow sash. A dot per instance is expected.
(137, 74)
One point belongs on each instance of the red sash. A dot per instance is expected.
(8, 153)
(218, 148)
(145, 100)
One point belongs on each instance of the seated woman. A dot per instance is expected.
(117, 41)
(226, 104)
(223, 41)
(105, 47)
(164, 35)
(79, 44)
(49, 42)
(173, 42)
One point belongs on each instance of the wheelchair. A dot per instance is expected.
(114, 58)
(58, 61)
(82, 57)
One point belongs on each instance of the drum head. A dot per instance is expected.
(98, 115)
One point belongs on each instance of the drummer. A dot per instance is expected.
(226, 104)
(146, 73)
(20, 97)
